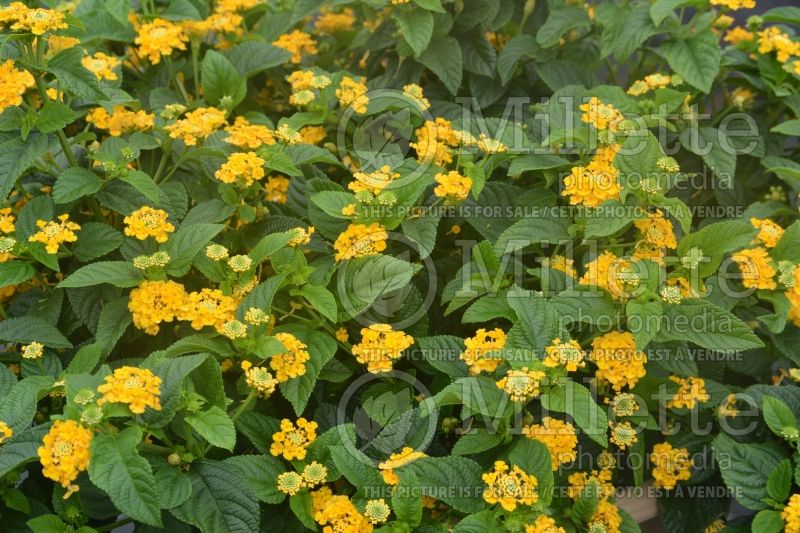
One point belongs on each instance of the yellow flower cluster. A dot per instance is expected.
(7, 220)
(120, 120)
(398, 460)
(793, 294)
(601, 116)
(482, 353)
(35, 21)
(303, 82)
(297, 43)
(52, 234)
(244, 134)
(330, 23)
(373, 182)
(568, 355)
(617, 359)
(595, 482)
(561, 263)
(160, 38)
(292, 440)
(154, 302)
(34, 350)
(197, 125)
(623, 434)
(148, 222)
(739, 35)
(5, 432)
(670, 465)
(772, 39)
(521, 385)
(380, 347)
(435, 141)
(452, 186)
(756, 268)
(259, 378)
(336, 512)
(302, 236)
(611, 273)
(101, 65)
(353, 93)
(791, 514)
(65, 453)
(359, 240)
(657, 235)
(415, 92)
(209, 307)
(544, 524)
(138, 388)
(734, 4)
(649, 83)
(291, 363)
(769, 233)
(595, 183)
(558, 436)
(13, 84)
(276, 189)
(510, 486)
(691, 390)
(605, 518)
(243, 168)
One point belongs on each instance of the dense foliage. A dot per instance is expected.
(471, 265)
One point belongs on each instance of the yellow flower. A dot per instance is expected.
(276, 189)
(601, 116)
(373, 182)
(606, 518)
(742, 97)
(544, 524)
(7, 220)
(313, 134)
(670, 465)
(292, 440)
(791, 514)
(243, 134)
(510, 486)
(773, 39)
(649, 83)
(289, 483)
(159, 39)
(435, 140)
(314, 474)
(342, 335)
(414, 91)
(352, 93)
(154, 302)
(623, 434)
(39, 21)
(240, 263)
(7, 249)
(137, 387)
(769, 233)
(5, 432)
(148, 222)
(359, 240)
(491, 146)
(597, 483)
(376, 511)
(291, 363)
(756, 267)
(617, 359)
(657, 230)
(12, 12)
(259, 378)
(558, 436)
(257, 317)
(734, 4)
(452, 186)
(738, 35)
(716, 526)
(380, 346)
(216, 252)
(209, 307)
(65, 453)
(482, 353)
(13, 84)
(595, 183)
(53, 234)
(302, 236)
(233, 329)
(34, 350)
(728, 407)
(398, 460)
(521, 385)
(232, 6)
(197, 124)
(298, 43)
(243, 168)
(337, 513)
(611, 273)
(120, 120)
(288, 135)
(624, 404)
(564, 354)
(329, 23)
(561, 263)
(101, 65)
(690, 391)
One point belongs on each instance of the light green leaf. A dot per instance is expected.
(443, 57)
(416, 27)
(186, 243)
(117, 273)
(74, 183)
(215, 426)
(28, 329)
(696, 58)
(221, 79)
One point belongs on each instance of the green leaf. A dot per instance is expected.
(48, 523)
(438, 475)
(715, 240)
(706, 325)
(261, 473)
(74, 78)
(430, 5)
(186, 243)
(15, 272)
(406, 500)
(788, 247)
(117, 273)
(85, 360)
(215, 426)
(251, 57)
(74, 183)
(96, 240)
(661, 9)
(16, 156)
(221, 79)
(476, 441)
(560, 21)
(538, 320)
(789, 127)
(787, 14)
(576, 400)
(534, 458)
(321, 299)
(28, 329)
(745, 468)
(778, 416)
(768, 521)
(531, 231)
(443, 57)
(221, 501)
(717, 151)
(521, 46)
(22, 447)
(443, 352)
(54, 116)
(780, 481)
(301, 506)
(643, 320)
(361, 281)
(422, 231)
(114, 319)
(625, 28)
(269, 244)
(416, 27)
(321, 348)
(118, 469)
(357, 468)
(696, 58)
(172, 485)
(142, 183)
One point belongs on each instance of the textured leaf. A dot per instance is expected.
(215, 426)
(117, 273)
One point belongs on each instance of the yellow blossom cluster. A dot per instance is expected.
(562, 264)
(138, 388)
(617, 359)
(544, 524)
(483, 351)
(37, 21)
(154, 302)
(593, 184)
(53, 234)
(452, 186)
(657, 236)
(160, 38)
(243, 168)
(568, 355)
(521, 385)
(101, 65)
(360, 240)
(435, 141)
(558, 436)
(786, 49)
(293, 439)
(120, 120)
(649, 83)
(353, 94)
(510, 486)
(208, 307)
(336, 512)
(597, 482)
(303, 83)
(13, 84)
(612, 273)
(65, 453)
(330, 23)
(734, 4)
(197, 125)
(769, 233)
(276, 189)
(738, 35)
(148, 222)
(415, 92)
(756, 268)
(5, 432)
(605, 518)
(291, 363)
(670, 465)
(244, 134)
(373, 182)
(259, 378)
(691, 390)
(298, 43)
(398, 460)
(791, 514)
(380, 347)
(793, 294)
(302, 236)
(600, 115)
(623, 434)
